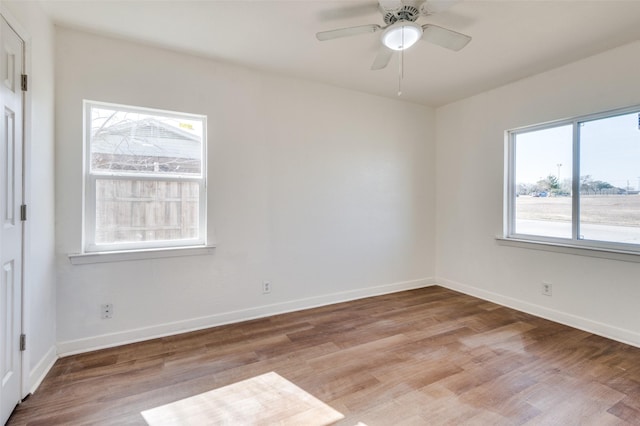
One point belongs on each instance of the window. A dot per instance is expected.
(577, 182)
(145, 178)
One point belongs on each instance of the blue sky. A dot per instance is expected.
(610, 151)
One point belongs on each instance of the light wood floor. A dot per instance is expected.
(428, 356)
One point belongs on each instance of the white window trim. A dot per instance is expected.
(573, 245)
(139, 254)
(90, 251)
(601, 253)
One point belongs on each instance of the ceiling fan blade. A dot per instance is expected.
(382, 59)
(347, 32)
(443, 37)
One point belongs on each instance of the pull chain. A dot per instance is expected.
(401, 73)
(401, 66)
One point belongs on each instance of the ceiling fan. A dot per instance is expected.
(401, 30)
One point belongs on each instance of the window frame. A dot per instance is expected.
(510, 187)
(89, 245)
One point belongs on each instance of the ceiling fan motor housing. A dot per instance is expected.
(402, 10)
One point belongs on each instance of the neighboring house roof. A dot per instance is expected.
(146, 138)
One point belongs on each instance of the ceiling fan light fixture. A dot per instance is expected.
(401, 35)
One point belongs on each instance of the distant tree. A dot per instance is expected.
(525, 188)
(553, 182)
(542, 185)
(599, 186)
(521, 189)
(588, 185)
(548, 184)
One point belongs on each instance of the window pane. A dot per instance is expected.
(126, 141)
(610, 179)
(146, 210)
(543, 182)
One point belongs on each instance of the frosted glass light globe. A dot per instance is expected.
(401, 35)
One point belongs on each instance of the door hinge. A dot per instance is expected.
(24, 82)
(23, 212)
(23, 342)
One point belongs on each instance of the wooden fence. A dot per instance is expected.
(140, 210)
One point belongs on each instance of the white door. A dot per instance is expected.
(11, 226)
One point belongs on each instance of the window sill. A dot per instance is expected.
(599, 252)
(125, 255)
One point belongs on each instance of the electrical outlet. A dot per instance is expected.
(546, 289)
(106, 310)
(266, 287)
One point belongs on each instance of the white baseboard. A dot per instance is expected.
(71, 347)
(38, 373)
(628, 337)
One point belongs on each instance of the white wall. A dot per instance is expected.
(325, 192)
(595, 294)
(40, 291)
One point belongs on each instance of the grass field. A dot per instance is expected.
(620, 210)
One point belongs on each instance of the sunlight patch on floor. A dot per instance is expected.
(261, 400)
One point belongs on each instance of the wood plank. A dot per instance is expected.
(426, 356)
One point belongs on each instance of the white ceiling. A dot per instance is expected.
(512, 39)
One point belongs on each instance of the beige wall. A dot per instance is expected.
(327, 193)
(600, 295)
